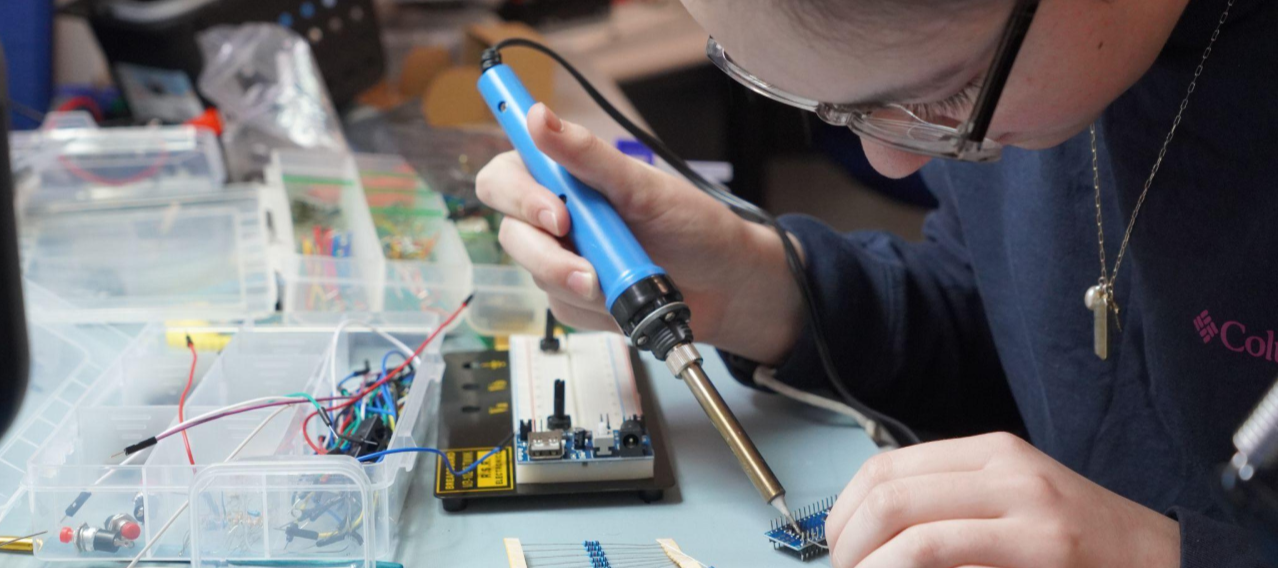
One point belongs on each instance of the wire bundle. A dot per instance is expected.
(373, 387)
(341, 401)
(366, 426)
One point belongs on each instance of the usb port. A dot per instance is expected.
(546, 445)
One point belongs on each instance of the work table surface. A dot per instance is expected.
(713, 512)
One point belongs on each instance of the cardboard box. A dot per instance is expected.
(452, 97)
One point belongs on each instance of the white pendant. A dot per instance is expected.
(1098, 302)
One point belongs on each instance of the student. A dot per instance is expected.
(1138, 169)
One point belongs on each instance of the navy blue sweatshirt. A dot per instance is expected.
(982, 326)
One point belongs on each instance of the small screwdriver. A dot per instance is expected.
(640, 296)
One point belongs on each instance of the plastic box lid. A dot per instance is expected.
(70, 163)
(193, 258)
(65, 361)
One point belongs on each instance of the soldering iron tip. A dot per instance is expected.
(779, 503)
(793, 524)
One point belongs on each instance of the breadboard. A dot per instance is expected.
(596, 367)
(600, 394)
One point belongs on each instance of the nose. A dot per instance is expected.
(891, 162)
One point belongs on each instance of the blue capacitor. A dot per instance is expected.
(598, 232)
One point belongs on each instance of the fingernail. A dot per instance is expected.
(582, 284)
(553, 122)
(549, 221)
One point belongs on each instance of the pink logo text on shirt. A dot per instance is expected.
(1235, 337)
(1206, 328)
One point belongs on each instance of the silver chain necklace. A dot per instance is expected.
(1100, 298)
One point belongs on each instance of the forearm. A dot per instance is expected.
(764, 310)
(905, 326)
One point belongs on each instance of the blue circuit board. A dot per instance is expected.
(586, 451)
(809, 542)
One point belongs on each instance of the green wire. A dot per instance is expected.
(310, 398)
(351, 428)
(322, 411)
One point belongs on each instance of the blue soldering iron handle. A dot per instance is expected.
(598, 232)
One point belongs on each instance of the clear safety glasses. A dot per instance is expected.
(895, 126)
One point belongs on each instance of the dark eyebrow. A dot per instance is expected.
(916, 90)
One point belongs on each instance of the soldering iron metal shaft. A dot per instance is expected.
(685, 362)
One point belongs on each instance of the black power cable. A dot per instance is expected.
(745, 210)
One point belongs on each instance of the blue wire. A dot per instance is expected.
(339, 387)
(442, 456)
(349, 377)
(386, 358)
(390, 402)
(377, 400)
(338, 518)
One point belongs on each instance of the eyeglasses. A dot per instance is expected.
(896, 126)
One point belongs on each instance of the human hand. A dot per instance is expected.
(993, 501)
(732, 273)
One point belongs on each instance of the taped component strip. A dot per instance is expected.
(515, 553)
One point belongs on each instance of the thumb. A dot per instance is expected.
(624, 181)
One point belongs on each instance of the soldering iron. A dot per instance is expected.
(1249, 482)
(640, 296)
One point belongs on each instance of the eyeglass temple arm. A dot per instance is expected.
(1013, 36)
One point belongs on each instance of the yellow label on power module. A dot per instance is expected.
(497, 473)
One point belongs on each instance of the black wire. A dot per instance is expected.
(339, 434)
(403, 375)
(24, 110)
(747, 211)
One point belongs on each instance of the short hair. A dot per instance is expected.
(832, 20)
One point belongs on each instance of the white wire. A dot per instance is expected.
(126, 461)
(405, 349)
(242, 404)
(765, 377)
(183, 508)
(408, 352)
(332, 348)
(332, 354)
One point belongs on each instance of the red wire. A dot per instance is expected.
(86, 175)
(386, 378)
(190, 378)
(82, 102)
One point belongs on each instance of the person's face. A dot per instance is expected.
(1078, 57)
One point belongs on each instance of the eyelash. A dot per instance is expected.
(949, 107)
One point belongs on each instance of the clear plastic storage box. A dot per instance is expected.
(275, 501)
(70, 161)
(189, 258)
(322, 235)
(395, 250)
(65, 361)
(419, 262)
